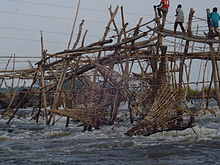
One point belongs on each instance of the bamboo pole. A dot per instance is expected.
(22, 100)
(12, 99)
(13, 67)
(79, 34)
(189, 33)
(215, 74)
(84, 37)
(42, 80)
(130, 49)
(180, 35)
(208, 20)
(104, 38)
(5, 70)
(58, 88)
(74, 24)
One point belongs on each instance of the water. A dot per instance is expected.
(28, 142)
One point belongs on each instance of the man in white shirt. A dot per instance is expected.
(179, 18)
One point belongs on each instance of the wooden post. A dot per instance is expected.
(79, 34)
(161, 74)
(84, 37)
(74, 24)
(22, 100)
(42, 79)
(215, 73)
(13, 79)
(6, 67)
(58, 90)
(12, 99)
(208, 20)
(189, 33)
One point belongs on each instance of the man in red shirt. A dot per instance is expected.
(163, 8)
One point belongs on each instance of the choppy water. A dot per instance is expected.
(27, 142)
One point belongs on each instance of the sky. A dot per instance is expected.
(22, 20)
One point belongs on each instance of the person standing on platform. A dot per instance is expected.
(214, 19)
(179, 18)
(162, 9)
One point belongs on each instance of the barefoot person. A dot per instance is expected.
(162, 9)
(214, 19)
(179, 18)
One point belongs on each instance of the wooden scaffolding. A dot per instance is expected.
(148, 67)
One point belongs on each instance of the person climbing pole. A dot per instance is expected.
(214, 20)
(162, 9)
(179, 18)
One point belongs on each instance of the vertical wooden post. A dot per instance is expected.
(161, 74)
(6, 67)
(79, 34)
(83, 39)
(58, 90)
(208, 20)
(13, 79)
(42, 80)
(215, 73)
(154, 60)
(74, 24)
(189, 33)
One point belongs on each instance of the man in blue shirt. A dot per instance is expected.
(214, 19)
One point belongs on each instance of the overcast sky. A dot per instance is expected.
(22, 20)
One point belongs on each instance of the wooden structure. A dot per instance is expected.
(136, 66)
